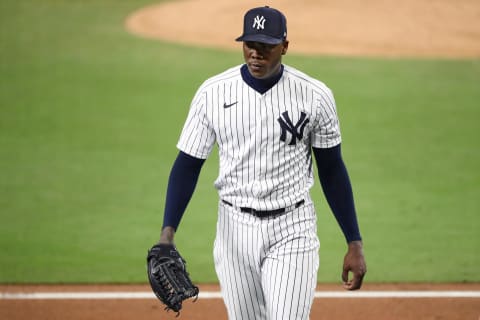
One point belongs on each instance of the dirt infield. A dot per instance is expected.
(386, 308)
(408, 28)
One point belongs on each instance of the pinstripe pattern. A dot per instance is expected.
(267, 267)
(282, 252)
(257, 169)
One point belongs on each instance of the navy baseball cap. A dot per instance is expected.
(264, 24)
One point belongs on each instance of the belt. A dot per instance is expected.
(267, 213)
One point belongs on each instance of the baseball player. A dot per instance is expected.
(267, 119)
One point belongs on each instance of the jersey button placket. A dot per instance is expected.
(259, 125)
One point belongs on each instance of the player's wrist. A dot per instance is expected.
(355, 245)
(167, 235)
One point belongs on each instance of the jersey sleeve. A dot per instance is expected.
(326, 130)
(197, 137)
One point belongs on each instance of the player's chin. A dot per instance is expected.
(257, 70)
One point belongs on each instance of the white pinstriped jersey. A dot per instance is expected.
(264, 140)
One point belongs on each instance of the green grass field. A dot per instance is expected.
(89, 119)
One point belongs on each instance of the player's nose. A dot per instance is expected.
(256, 50)
(256, 55)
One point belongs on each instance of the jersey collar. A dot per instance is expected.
(260, 85)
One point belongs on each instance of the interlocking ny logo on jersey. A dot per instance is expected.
(296, 130)
(259, 22)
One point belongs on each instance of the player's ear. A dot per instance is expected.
(285, 47)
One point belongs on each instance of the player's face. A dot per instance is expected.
(263, 60)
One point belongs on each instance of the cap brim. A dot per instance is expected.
(260, 38)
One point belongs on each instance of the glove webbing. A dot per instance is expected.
(174, 282)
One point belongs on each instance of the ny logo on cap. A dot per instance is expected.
(259, 22)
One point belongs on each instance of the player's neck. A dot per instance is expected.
(260, 85)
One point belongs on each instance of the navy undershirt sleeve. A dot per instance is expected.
(338, 190)
(181, 184)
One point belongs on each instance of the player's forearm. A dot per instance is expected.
(338, 190)
(340, 199)
(181, 185)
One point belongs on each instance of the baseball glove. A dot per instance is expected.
(168, 276)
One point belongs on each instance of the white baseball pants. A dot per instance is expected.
(267, 267)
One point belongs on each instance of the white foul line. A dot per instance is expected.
(397, 294)
(217, 295)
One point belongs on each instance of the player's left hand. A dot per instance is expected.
(168, 276)
(354, 262)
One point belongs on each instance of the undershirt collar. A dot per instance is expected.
(260, 85)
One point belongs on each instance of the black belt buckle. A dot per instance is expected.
(263, 213)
